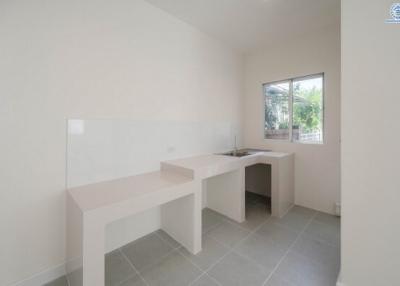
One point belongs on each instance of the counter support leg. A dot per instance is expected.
(181, 219)
(226, 194)
(93, 253)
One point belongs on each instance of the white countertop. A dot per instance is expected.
(172, 174)
(216, 159)
(205, 166)
(101, 194)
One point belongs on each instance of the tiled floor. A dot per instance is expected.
(301, 249)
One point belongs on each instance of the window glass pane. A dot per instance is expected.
(277, 110)
(308, 110)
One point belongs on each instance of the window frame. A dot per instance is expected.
(291, 80)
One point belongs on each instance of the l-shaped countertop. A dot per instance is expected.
(172, 173)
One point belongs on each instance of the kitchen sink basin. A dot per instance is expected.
(236, 154)
(243, 152)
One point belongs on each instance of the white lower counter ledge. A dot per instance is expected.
(90, 208)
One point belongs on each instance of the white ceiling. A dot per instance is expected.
(249, 25)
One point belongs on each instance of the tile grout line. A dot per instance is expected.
(167, 242)
(222, 243)
(202, 273)
(322, 239)
(231, 249)
(299, 233)
(197, 278)
(262, 267)
(289, 249)
(197, 267)
(160, 258)
(234, 250)
(319, 240)
(133, 267)
(229, 220)
(232, 222)
(201, 270)
(212, 227)
(173, 249)
(127, 279)
(236, 224)
(131, 264)
(213, 279)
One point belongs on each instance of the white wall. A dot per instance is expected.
(317, 167)
(370, 145)
(89, 59)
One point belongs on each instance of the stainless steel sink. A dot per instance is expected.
(243, 152)
(236, 153)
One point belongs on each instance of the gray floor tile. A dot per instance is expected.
(326, 232)
(262, 249)
(277, 281)
(205, 280)
(146, 251)
(210, 253)
(168, 239)
(210, 219)
(172, 270)
(318, 251)
(256, 214)
(236, 270)
(134, 281)
(228, 233)
(313, 261)
(117, 268)
(327, 219)
(303, 210)
(280, 234)
(297, 218)
(62, 281)
(302, 271)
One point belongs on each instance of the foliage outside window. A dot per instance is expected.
(294, 109)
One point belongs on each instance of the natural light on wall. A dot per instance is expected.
(294, 109)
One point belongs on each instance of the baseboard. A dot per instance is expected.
(339, 279)
(43, 277)
(119, 234)
(288, 210)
